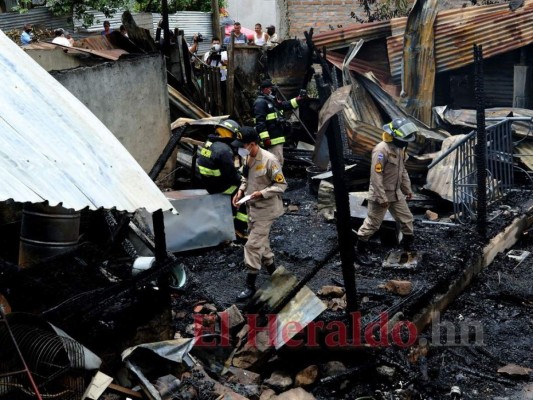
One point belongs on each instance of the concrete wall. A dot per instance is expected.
(250, 12)
(130, 98)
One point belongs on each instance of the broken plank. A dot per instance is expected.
(126, 391)
(504, 240)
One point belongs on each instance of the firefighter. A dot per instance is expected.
(264, 182)
(269, 120)
(217, 170)
(390, 186)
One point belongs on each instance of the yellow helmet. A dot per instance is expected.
(227, 129)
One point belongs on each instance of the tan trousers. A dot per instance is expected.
(257, 249)
(398, 209)
(277, 150)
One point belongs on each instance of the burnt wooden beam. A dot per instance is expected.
(167, 152)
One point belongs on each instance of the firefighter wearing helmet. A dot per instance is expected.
(390, 186)
(216, 167)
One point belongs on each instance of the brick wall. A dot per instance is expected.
(324, 15)
(318, 14)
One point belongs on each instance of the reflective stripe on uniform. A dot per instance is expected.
(230, 190)
(241, 217)
(294, 103)
(208, 171)
(263, 135)
(271, 116)
(278, 140)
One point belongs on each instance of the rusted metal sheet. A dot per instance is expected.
(440, 178)
(388, 104)
(418, 79)
(339, 38)
(359, 66)
(496, 27)
(467, 118)
(363, 136)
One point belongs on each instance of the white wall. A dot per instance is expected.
(250, 12)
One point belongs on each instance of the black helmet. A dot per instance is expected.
(401, 129)
(227, 129)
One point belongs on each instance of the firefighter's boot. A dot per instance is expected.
(407, 242)
(362, 255)
(249, 291)
(270, 268)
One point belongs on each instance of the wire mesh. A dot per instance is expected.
(54, 363)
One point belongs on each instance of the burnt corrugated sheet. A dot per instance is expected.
(54, 148)
(495, 27)
(191, 22)
(339, 38)
(37, 16)
(419, 61)
(456, 88)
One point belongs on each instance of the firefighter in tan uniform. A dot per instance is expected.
(390, 186)
(263, 180)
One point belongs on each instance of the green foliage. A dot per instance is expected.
(22, 7)
(79, 8)
(376, 10)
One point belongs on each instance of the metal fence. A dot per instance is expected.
(499, 153)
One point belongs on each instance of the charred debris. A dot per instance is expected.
(111, 298)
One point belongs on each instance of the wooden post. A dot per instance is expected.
(230, 80)
(216, 18)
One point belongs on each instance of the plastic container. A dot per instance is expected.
(142, 264)
(313, 184)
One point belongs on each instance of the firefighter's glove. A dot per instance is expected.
(267, 143)
(302, 96)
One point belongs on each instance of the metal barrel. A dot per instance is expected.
(46, 232)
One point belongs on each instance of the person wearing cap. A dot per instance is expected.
(264, 182)
(273, 39)
(269, 120)
(60, 38)
(390, 186)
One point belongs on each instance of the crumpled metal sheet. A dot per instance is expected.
(467, 118)
(54, 149)
(440, 178)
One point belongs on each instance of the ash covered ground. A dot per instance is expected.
(499, 300)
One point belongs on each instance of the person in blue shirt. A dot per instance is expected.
(240, 38)
(27, 36)
(107, 28)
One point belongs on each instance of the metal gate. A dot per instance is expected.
(499, 154)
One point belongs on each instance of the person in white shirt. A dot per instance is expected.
(260, 37)
(60, 38)
(216, 57)
(273, 39)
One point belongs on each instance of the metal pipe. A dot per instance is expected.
(451, 149)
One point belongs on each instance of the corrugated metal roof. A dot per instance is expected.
(54, 149)
(339, 38)
(40, 16)
(495, 27)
